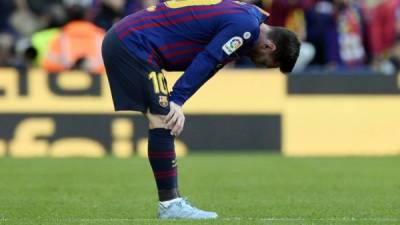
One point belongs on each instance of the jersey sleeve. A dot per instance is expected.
(236, 34)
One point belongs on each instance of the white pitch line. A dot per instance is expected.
(316, 219)
(345, 219)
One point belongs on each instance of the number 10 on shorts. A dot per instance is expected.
(159, 83)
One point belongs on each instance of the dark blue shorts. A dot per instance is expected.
(135, 85)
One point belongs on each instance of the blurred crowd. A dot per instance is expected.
(342, 35)
(59, 35)
(337, 35)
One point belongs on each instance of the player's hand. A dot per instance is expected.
(175, 119)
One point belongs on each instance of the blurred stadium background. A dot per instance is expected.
(341, 100)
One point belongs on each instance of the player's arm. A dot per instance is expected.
(238, 33)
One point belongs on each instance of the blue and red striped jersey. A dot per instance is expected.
(195, 36)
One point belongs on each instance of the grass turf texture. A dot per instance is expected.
(242, 188)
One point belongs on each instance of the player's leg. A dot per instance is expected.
(162, 157)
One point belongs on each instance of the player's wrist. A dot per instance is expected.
(177, 100)
(177, 104)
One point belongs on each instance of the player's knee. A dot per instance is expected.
(155, 121)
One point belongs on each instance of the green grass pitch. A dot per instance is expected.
(242, 188)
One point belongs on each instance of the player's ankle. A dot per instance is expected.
(168, 194)
(166, 204)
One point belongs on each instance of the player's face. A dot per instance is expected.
(264, 57)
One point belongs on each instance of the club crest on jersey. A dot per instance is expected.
(232, 45)
(163, 101)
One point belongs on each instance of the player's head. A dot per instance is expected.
(277, 47)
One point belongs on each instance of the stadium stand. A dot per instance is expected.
(338, 35)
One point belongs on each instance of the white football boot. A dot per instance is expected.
(181, 209)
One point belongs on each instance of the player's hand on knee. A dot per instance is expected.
(175, 119)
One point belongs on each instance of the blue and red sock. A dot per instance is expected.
(162, 157)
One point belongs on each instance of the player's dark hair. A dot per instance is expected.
(76, 12)
(287, 47)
